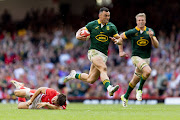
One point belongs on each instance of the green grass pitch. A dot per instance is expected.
(93, 112)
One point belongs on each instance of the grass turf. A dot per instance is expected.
(93, 112)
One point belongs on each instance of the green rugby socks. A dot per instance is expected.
(78, 76)
(106, 83)
(130, 88)
(142, 81)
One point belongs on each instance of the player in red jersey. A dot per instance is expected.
(43, 97)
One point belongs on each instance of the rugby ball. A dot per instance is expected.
(86, 34)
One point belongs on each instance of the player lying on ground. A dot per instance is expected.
(43, 97)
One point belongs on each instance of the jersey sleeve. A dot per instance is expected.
(89, 26)
(128, 34)
(51, 92)
(114, 31)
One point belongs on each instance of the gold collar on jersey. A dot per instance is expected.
(139, 29)
(99, 22)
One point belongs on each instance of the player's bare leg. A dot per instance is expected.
(98, 68)
(142, 69)
(132, 84)
(136, 77)
(90, 78)
(23, 105)
(146, 71)
(20, 93)
(101, 66)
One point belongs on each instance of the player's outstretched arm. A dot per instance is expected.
(121, 51)
(78, 34)
(48, 105)
(38, 91)
(117, 40)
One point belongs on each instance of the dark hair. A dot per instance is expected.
(61, 100)
(103, 9)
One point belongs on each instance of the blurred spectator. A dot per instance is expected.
(18, 71)
(162, 82)
(173, 87)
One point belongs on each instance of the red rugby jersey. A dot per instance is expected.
(50, 93)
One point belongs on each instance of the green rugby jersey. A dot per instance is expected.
(140, 42)
(100, 36)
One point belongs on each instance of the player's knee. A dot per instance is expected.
(19, 107)
(91, 81)
(23, 105)
(16, 92)
(103, 69)
(147, 73)
(134, 81)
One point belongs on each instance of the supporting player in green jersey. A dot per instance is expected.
(101, 32)
(141, 38)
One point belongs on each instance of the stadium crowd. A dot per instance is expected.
(41, 50)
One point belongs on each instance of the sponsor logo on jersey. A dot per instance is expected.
(107, 27)
(142, 42)
(102, 38)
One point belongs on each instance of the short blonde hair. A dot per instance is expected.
(141, 15)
